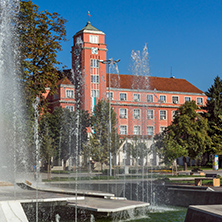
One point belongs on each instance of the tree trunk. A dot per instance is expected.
(64, 164)
(49, 170)
(185, 163)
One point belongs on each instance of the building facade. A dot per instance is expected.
(144, 105)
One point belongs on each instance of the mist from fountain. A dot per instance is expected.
(13, 158)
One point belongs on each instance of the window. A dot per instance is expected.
(199, 101)
(163, 99)
(122, 96)
(162, 114)
(149, 114)
(123, 113)
(187, 99)
(56, 96)
(136, 114)
(94, 79)
(70, 108)
(111, 94)
(94, 39)
(173, 114)
(123, 130)
(162, 128)
(94, 93)
(136, 130)
(150, 130)
(175, 99)
(136, 97)
(149, 98)
(94, 63)
(69, 93)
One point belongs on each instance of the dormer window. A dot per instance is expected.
(94, 39)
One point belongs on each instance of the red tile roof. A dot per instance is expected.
(151, 83)
(64, 81)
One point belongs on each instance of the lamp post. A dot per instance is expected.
(109, 62)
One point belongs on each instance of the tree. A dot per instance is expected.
(70, 131)
(214, 113)
(40, 34)
(137, 150)
(99, 139)
(47, 144)
(186, 136)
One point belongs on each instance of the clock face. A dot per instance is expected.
(94, 50)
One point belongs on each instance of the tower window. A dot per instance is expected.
(94, 79)
(94, 93)
(94, 63)
(94, 39)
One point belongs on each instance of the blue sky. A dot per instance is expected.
(184, 34)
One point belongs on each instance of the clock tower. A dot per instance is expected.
(88, 73)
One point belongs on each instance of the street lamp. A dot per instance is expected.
(109, 62)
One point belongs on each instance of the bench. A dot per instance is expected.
(214, 175)
(216, 181)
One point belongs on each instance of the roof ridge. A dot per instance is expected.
(152, 82)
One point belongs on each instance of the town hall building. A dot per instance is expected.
(144, 105)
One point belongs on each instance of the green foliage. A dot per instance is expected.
(214, 114)
(186, 136)
(99, 141)
(66, 132)
(40, 34)
(137, 150)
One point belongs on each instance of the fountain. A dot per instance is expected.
(51, 203)
(13, 158)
